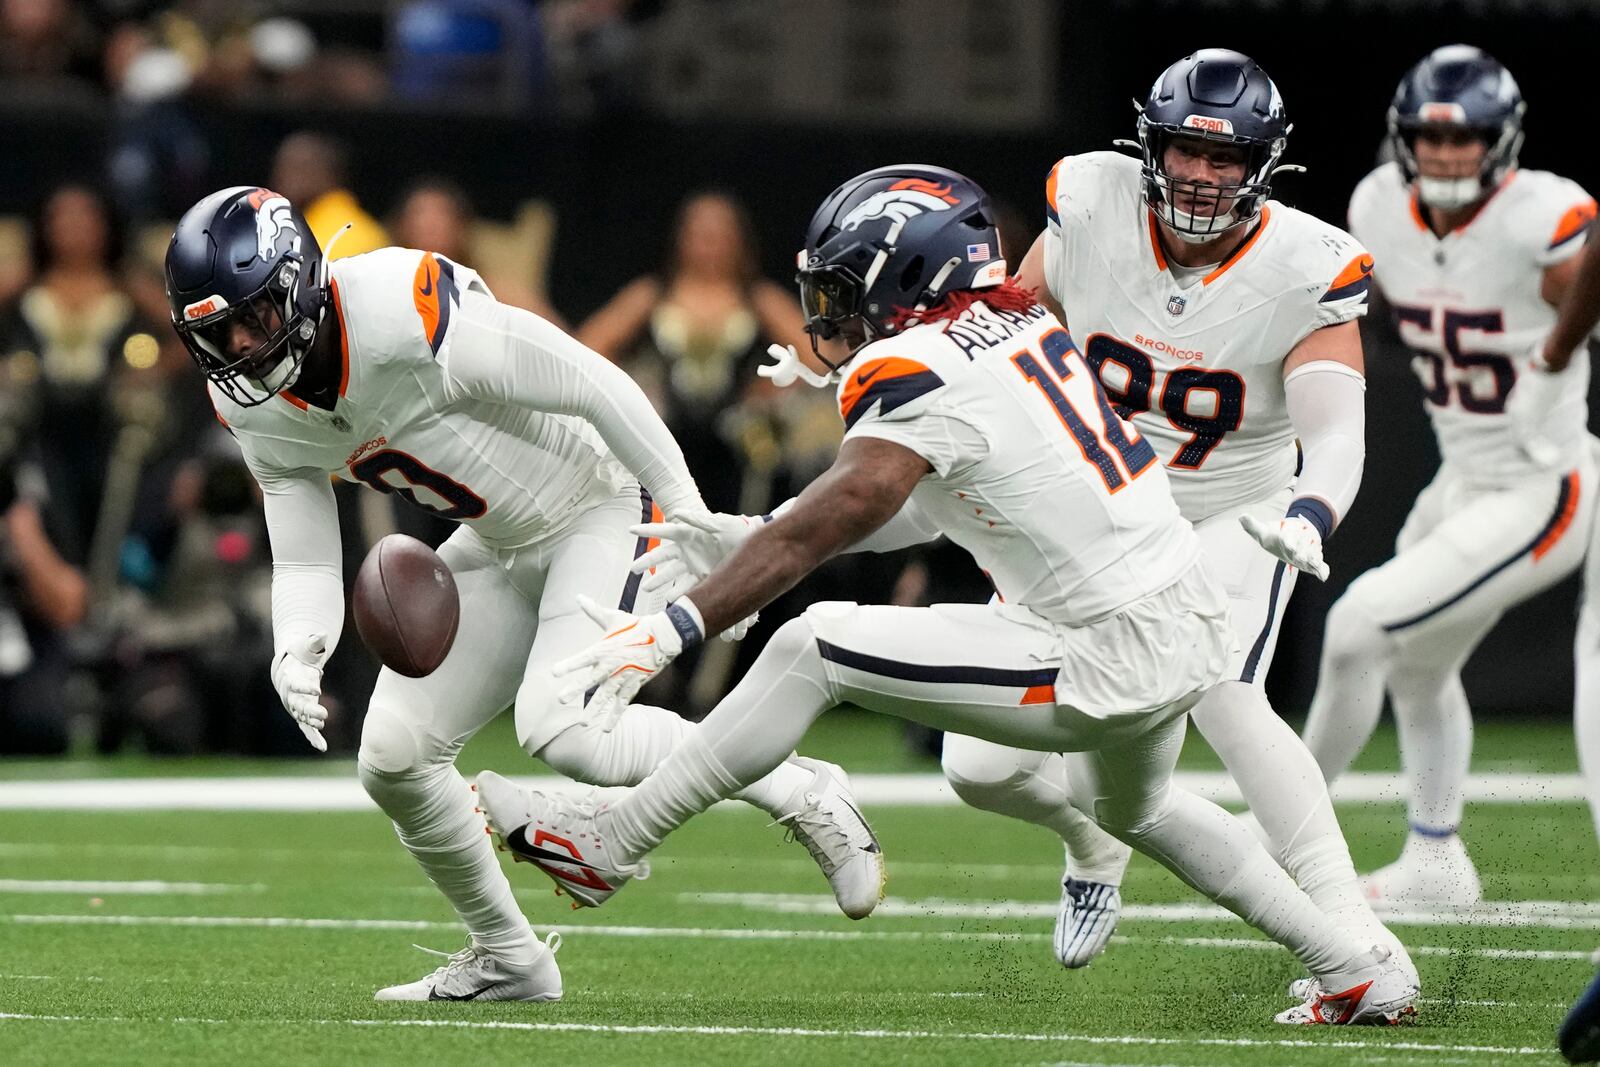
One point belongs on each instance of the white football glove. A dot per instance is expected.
(690, 548)
(634, 650)
(1295, 541)
(297, 676)
(787, 367)
(1532, 405)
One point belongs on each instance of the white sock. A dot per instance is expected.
(742, 741)
(1284, 788)
(432, 813)
(642, 737)
(1435, 726)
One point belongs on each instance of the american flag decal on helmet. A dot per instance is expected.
(977, 253)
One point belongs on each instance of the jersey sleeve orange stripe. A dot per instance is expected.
(1353, 280)
(1051, 188)
(425, 292)
(893, 379)
(1574, 222)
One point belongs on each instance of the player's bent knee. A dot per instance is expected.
(1128, 817)
(1354, 634)
(389, 743)
(985, 774)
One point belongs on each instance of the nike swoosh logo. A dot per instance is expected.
(434, 994)
(427, 286)
(519, 841)
(1366, 264)
(873, 848)
(864, 378)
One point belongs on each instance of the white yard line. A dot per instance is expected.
(1501, 914)
(145, 888)
(1122, 1040)
(728, 933)
(305, 793)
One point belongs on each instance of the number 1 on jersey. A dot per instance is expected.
(1136, 453)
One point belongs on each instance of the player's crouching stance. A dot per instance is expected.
(399, 369)
(968, 411)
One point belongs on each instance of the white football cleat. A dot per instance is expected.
(557, 833)
(475, 974)
(1429, 871)
(1085, 920)
(824, 818)
(1375, 992)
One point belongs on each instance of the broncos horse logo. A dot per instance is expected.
(273, 217)
(901, 201)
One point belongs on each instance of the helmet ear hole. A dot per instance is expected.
(912, 274)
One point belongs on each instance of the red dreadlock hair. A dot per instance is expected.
(1007, 296)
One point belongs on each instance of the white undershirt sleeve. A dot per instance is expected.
(511, 356)
(1327, 405)
(307, 578)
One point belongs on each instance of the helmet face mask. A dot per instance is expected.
(243, 259)
(1220, 97)
(1461, 93)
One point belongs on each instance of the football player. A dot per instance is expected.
(399, 369)
(1473, 255)
(1223, 323)
(969, 410)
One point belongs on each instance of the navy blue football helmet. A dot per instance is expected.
(896, 239)
(1463, 87)
(1216, 95)
(245, 256)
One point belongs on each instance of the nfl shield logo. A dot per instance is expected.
(1175, 305)
(341, 424)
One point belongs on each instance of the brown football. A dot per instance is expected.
(406, 605)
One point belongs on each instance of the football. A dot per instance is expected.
(406, 606)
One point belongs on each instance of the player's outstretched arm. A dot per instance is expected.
(1325, 392)
(1579, 305)
(307, 590)
(866, 486)
(510, 356)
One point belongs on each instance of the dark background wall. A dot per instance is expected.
(615, 180)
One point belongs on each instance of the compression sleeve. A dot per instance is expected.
(307, 578)
(511, 356)
(1327, 407)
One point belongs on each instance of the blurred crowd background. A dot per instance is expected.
(639, 171)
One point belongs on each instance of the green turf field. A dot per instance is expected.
(258, 938)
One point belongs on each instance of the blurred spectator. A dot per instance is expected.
(59, 340)
(436, 215)
(47, 42)
(158, 157)
(42, 596)
(468, 52)
(312, 170)
(694, 334)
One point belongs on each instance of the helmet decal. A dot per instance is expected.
(899, 202)
(274, 216)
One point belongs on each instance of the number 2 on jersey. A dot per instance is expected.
(1135, 451)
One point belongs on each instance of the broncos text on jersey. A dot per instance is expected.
(1195, 358)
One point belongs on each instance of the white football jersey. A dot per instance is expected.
(1061, 503)
(1196, 357)
(514, 474)
(1468, 306)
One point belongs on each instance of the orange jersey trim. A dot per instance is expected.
(1353, 272)
(1155, 241)
(871, 376)
(1239, 253)
(425, 293)
(1050, 190)
(1574, 222)
(344, 353)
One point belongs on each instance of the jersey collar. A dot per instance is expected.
(344, 354)
(1228, 261)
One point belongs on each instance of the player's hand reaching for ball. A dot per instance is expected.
(634, 650)
(297, 676)
(690, 548)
